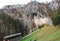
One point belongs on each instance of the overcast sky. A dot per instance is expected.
(11, 2)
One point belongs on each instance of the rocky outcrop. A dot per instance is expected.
(31, 15)
(54, 4)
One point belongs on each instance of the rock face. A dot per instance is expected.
(32, 15)
(54, 4)
(36, 13)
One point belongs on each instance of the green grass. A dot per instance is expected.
(31, 36)
(47, 33)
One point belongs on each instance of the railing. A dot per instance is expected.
(6, 38)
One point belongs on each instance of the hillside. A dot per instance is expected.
(47, 33)
(30, 15)
(27, 18)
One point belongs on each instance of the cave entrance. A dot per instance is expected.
(34, 14)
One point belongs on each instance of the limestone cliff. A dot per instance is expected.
(31, 15)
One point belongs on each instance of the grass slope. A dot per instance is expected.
(47, 33)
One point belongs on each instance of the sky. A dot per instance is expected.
(14, 2)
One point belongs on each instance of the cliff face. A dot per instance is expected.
(54, 4)
(36, 13)
(31, 15)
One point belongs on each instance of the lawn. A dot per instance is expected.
(47, 33)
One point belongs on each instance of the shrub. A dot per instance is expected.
(56, 17)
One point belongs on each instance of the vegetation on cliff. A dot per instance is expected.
(8, 26)
(56, 17)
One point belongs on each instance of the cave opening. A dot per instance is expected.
(34, 14)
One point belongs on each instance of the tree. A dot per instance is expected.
(56, 17)
(8, 26)
(56, 20)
